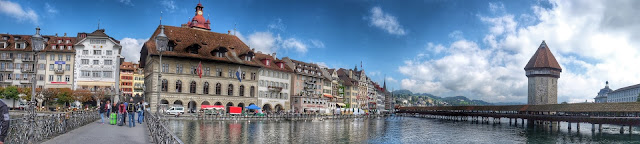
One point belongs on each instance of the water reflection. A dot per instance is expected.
(405, 130)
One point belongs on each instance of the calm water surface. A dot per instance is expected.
(390, 130)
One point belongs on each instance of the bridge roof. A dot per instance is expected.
(579, 107)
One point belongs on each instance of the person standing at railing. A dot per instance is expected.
(141, 111)
(4, 123)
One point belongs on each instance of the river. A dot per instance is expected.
(408, 130)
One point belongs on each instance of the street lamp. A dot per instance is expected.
(161, 45)
(37, 44)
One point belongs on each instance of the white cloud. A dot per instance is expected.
(322, 64)
(277, 25)
(297, 45)
(15, 10)
(317, 43)
(131, 48)
(169, 5)
(456, 35)
(496, 7)
(385, 21)
(50, 9)
(391, 79)
(263, 41)
(373, 73)
(126, 2)
(594, 41)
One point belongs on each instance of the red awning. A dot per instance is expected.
(212, 107)
(328, 95)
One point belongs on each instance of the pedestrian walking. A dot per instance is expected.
(121, 114)
(102, 111)
(125, 110)
(108, 107)
(131, 111)
(141, 111)
(4, 121)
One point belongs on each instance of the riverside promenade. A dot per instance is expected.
(96, 133)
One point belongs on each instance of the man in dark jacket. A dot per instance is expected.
(4, 121)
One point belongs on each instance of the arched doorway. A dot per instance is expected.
(205, 103)
(177, 103)
(241, 105)
(266, 108)
(218, 103)
(229, 104)
(192, 106)
(279, 108)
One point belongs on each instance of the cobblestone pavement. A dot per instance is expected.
(96, 133)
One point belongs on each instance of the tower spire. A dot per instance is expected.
(160, 17)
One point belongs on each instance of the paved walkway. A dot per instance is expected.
(96, 133)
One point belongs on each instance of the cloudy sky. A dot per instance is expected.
(473, 48)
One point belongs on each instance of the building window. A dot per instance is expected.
(3, 44)
(243, 74)
(51, 67)
(192, 87)
(107, 62)
(41, 77)
(20, 45)
(42, 57)
(96, 62)
(178, 69)
(218, 89)
(59, 66)
(219, 72)
(241, 90)
(59, 78)
(97, 52)
(50, 77)
(85, 52)
(67, 78)
(252, 91)
(52, 57)
(205, 89)
(165, 85)
(68, 47)
(253, 76)
(165, 68)
(85, 73)
(109, 52)
(68, 67)
(96, 74)
(85, 61)
(61, 47)
(230, 73)
(207, 71)
(108, 74)
(230, 90)
(68, 57)
(178, 86)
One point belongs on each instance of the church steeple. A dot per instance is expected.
(198, 21)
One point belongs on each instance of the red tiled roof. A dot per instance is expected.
(53, 40)
(273, 64)
(182, 38)
(543, 58)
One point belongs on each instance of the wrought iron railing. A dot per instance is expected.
(48, 126)
(159, 131)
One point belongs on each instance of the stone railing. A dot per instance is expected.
(48, 126)
(159, 131)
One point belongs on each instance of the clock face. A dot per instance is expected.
(199, 12)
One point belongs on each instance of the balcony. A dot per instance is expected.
(310, 81)
(27, 60)
(59, 71)
(6, 59)
(138, 87)
(27, 70)
(274, 88)
(6, 70)
(25, 81)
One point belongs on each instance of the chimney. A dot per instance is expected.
(56, 34)
(65, 34)
(274, 55)
(229, 32)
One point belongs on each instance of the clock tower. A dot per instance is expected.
(198, 21)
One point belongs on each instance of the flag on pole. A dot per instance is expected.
(360, 64)
(199, 71)
(238, 74)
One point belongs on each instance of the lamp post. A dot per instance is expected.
(161, 45)
(37, 44)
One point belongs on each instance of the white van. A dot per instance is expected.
(175, 110)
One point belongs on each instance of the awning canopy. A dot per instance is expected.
(212, 107)
(341, 104)
(253, 107)
(328, 95)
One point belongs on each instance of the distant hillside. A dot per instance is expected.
(432, 100)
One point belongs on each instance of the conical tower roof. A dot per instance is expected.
(543, 58)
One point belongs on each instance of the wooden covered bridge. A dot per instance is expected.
(623, 114)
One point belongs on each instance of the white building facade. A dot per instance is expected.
(274, 82)
(625, 94)
(96, 62)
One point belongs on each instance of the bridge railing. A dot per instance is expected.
(160, 133)
(48, 126)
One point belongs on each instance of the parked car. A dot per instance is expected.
(175, 110)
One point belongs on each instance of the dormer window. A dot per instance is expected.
(68, 47)
(20, 45)
(281, 65)
(3, 44)
(193, 49)
(53, 47)
(59, 41)
(61, 47)
(16, 38)
(219, 52)
(67, 41)
(247, 58)
(5, 38)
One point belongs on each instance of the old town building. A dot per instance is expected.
(127, 70)
(60, 58)
(603, 94)
(97, 62)
(229, 73)
(17, 61)
(138, 81)
(543, 72)
(350, 87)
(274, 83)
(306, 82)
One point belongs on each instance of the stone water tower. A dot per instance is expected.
(543, 72)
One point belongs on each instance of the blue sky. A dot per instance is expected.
(448, 48)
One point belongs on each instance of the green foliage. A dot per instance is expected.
(64, 97)
(11, 92)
